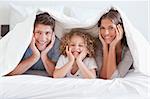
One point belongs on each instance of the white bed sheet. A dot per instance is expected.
(134, 85)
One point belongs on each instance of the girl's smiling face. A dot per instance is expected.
(76, 45)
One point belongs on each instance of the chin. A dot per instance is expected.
(41, 48)
(108, 41)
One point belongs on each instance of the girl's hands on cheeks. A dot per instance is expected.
(69, 54)
(82, 55)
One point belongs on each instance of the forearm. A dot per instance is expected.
(110, 67)
(103, 68)
(24, 65)
(85, 71)
(111, 62)
(49, 65)
(61, 72)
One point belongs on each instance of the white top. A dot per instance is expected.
(89, 62)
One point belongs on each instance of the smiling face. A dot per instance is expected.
(42, 34)
(107, 30)
(77, 45)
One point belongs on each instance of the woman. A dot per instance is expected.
(113, 56)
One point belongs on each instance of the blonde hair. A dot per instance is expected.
(88, 40)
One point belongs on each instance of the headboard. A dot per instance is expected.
(4, 29)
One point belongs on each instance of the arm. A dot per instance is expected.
(109, 67)
(48, 64)
(87, 73)
(126, 63)
(24, 65)
(61, 72)
(83, 68)
(27, 63)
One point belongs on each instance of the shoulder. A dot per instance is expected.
(126, 54)
(57, 41)
(89, 60)
(62, 57)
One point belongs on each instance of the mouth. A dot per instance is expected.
(41, 43)
(76, 53)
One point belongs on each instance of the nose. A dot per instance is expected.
(106, 32)
(42, 37)
(76, 48)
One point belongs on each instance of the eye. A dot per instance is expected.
(102, 28)
(81, 45)
(47, 33)
(72, 44)
(111, 28)
(38, 32)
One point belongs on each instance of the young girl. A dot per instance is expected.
(77, 60)
(113, 55)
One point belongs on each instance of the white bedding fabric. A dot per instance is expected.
(14, 44)
(134, 86)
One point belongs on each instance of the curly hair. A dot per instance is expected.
(88, 40)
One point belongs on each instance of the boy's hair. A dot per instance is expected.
(45, 19)
(88, 40)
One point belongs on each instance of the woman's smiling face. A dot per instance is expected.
(107, 30)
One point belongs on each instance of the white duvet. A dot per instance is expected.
(134, 86)
(14, 44)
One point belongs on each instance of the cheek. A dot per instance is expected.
(36, 36)
(113, 34)
(102, 34)
(49, 38)
(71, 47)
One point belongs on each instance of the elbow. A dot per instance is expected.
(105, 76)
(12, 74)
(90, 77)
(56, 75)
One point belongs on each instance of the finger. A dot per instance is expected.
(117, 32)
(53, 36)
(120, 29)
(67, 51)
(70, 50)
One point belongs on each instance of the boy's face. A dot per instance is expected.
(43, 35)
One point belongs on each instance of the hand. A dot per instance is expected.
(119, 35)
(83, 54)
(34, 49)
(69, 54)
(102, 41)
(46, 50)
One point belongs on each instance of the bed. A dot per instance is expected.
(134, 85)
